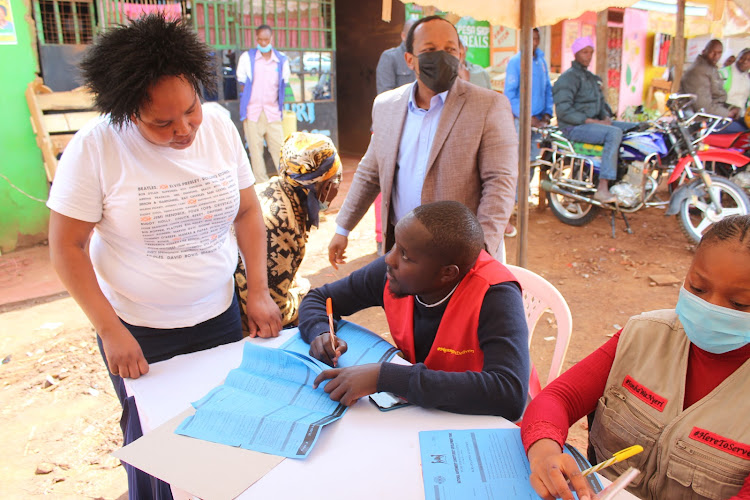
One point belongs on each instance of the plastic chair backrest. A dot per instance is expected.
(538, 296)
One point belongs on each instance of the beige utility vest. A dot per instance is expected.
(700, 452)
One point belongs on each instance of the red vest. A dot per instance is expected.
(456, 345)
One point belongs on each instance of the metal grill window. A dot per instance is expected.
(119, 12)
(297, 24)
(61, 22)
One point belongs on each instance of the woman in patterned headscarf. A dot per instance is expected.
(310, 173)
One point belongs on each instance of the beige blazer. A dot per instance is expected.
(473, 160)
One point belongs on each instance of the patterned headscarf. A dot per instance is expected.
(307, 160)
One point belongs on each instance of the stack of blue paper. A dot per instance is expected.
(268, 403)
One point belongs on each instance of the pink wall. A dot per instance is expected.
(634, 35)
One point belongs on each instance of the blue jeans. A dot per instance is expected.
(534, 150)
(609, 136)
(158, 345)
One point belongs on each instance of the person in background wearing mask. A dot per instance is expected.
(674, 381)
(737, 87)
(262, 76)
(438, 139)
(308, 182)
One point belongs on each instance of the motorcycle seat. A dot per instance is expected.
(585, 149)
(721, 140)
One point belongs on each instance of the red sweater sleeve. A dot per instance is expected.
(576, 392)
(569, 397)
(744, 493)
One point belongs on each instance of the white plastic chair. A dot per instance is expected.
(538, 296)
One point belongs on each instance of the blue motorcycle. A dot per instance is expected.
(670, 148)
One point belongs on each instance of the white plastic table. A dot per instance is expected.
(368, 454)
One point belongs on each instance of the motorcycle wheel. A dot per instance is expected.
(570, 211)
(729, 171)
(696, 213)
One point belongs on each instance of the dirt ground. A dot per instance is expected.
(59, 415)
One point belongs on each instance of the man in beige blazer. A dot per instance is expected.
(473, 156)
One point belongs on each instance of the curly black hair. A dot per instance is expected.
(127, 60)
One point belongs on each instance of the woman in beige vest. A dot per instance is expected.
(673, 381)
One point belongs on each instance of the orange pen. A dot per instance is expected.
(329, 311)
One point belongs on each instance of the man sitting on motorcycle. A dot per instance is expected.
(583, 114)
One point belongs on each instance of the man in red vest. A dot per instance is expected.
(455, 312)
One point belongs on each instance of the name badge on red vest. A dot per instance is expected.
(720, 443)
(644, 393)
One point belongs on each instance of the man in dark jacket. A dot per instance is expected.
(584, 115)
(392, 70)
(702, 78)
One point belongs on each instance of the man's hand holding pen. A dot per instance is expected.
(321, 349)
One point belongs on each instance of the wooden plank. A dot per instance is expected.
(40, 99)
(67, 122)
(76, 121)
(61, 101)
(59, 142)
(37, 124)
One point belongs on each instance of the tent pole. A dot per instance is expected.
(679, 46)
(524, 130)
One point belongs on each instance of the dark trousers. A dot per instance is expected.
(158, 345)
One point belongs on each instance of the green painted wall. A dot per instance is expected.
(22, 220)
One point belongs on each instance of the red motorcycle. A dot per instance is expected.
(718, 157)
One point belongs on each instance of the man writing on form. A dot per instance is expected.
(455, 312)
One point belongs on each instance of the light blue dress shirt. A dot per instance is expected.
(413, 153)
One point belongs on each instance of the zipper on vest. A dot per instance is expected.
(712, 460)
(650, 423)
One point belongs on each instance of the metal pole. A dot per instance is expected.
(524, 129)
(679, 46)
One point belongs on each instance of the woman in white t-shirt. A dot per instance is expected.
(160, 180)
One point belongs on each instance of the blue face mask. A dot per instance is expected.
(266, 49)
(713, 328)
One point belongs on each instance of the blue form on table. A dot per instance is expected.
(268, 404)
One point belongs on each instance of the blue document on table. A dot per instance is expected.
(477, 464)
(268, 404)
(363, 346)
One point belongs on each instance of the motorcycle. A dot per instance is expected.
(739, 142)
(665, 148)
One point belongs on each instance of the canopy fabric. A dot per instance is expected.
(508, 13)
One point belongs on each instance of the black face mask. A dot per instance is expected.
(438, 70)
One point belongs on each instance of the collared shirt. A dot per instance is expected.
(413, 152)
(265, 94)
